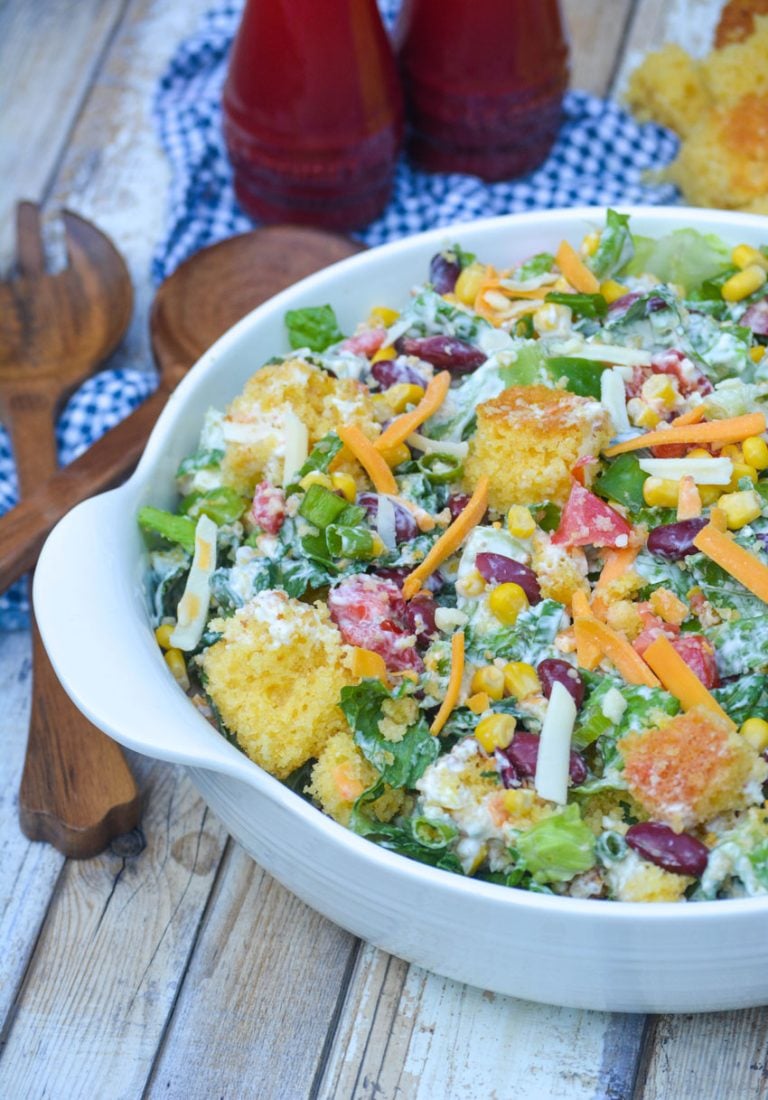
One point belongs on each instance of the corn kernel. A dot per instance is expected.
(743, 284)
(316, 477)
(387, 352)
(479, 702)
(740, 508)
(384, 314)
(660, 387)
(740, 470)
(521, 680)
(590, 243)
(469, 282)
(755, 731)
(702, 452)
(710, 493)
(612, 291)
(344, 484)
(395, 456)
(648, 418)
(163, 636)
(744, 255)
(403, 394)
(495, 732)
(490, 680)
(756, 353)
(660, 492)
(756, 452)
(730, 450)
(507, 601)
(174, 658)
(520, 522)
(472, 584)
(378, 548)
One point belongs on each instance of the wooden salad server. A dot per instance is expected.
(204, 297)
(76, 791)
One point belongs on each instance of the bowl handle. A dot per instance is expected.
(92, 612)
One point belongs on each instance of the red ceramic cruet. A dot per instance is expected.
(312, 112)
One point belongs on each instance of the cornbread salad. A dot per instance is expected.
(485, 579)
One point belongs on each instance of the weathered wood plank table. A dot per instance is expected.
(185, 970)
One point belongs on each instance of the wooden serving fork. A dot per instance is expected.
(76, 791)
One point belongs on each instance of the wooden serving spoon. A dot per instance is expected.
(76, 789)
(204, 297)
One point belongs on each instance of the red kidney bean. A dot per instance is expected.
(443, 273)
(507, 771)
(420, 615)
(674, 541)
(406, 527)
(680, 853)
(523, 753)
(756, 317)
(457, 502)
(446, 352)
(499, 569)
(553, 670)
(388, 372)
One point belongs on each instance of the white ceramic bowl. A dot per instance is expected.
(90, 604)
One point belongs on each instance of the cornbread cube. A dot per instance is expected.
(275, 677)
(341, 774)
(527, 441)
(255, 424)
(690, 769)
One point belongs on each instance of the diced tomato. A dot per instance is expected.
(689, 378)
(699, 655)
(653, 626)
(268, 508)
(366, 342)
(370, 612)
(588, 521)
(634, 385)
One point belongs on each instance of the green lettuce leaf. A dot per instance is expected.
(314, 327)
(400, 763)
(685, 257)
(558, 847)
(616, 248)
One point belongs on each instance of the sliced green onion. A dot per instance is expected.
(174, 528)
(320, 506)
(349, 542)
(440, 468)
(432, 834)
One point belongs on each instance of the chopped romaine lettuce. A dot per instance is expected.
(558, 847)
(684, 257)
(314, 327)
(400, 763)
(616, 248)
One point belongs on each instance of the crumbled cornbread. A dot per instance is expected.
(692, 768)
(255, 424)
(340, 776)
(275, 676)
(719, 106)
(529, 438)
(635, 879)
(560, 571)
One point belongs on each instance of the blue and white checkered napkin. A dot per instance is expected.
(600, 157)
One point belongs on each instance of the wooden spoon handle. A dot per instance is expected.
(24, 529)
(33, 439)
(76, 792)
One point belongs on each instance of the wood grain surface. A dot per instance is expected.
(136, 976)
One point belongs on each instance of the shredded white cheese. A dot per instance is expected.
(704, 471)
(551, 780)
(614, 399)
(193, 605)
(296, 446)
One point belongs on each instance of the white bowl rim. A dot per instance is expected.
(242, 768)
